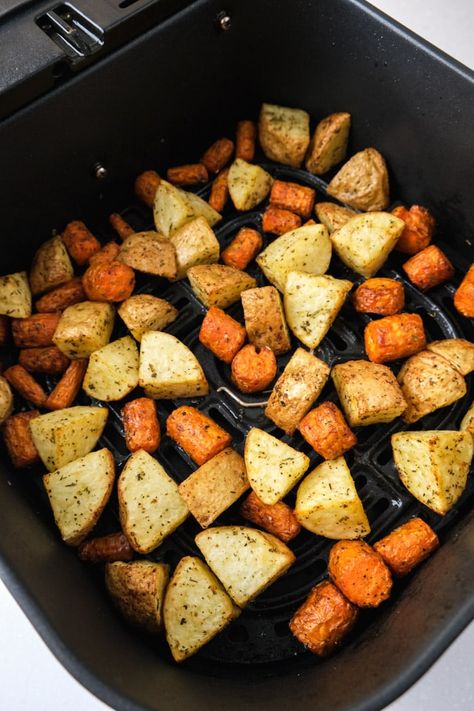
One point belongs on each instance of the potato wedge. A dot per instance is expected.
(219, 285)
(65, 435)
(196, 608)
(51, 266)
(284, 134)
(6, 400)
(112, 372)
(248, 184)
(150, 505)
(264, 319)
(332, 215)
(144, 312)
(78, 493)
(168, 369)
(215, 486)
(174, 207)
(467, 422)
(273, 467)
(295, 391)
(195, 243)
(312, 304)
(362, 182)
(369, 392)
(429, 382)
(138, 590)
(365, 241)
(433, 465)
(307, 249)
(150, 253)
(15, 295)
(457, 351)
(327, 502)
(328, 146)
(84, 328)
(245, 560)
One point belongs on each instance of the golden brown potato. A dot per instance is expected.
(15, 295)
(328, 146)
(112, 371)
(144, 312)
(333, 216)
(284, 134)
(429, 382)
(296, 390)
(264, 319)
(362, 182)
(150, 253)
(195, 243)
(83, 328)
(51, 266)
(248, 184)
(369, 392)
(457, 351)
(218, 285)
(467, 422)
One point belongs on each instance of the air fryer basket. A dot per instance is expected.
(152, 105)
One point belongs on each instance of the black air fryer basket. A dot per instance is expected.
(150, 84)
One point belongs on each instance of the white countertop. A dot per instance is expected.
(33, 680)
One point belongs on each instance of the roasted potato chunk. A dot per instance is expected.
(15, 295)
(333, 216)
(284, 134)
(174, 207)
(296, 390)
(369, 392)
(168, 369)
(326, 430)
(407, 546)
(364, 242)
(264, 319)
(112, 372)
(328, 146)
(327, 502)
(149, 253)
(359, 573)
(433, 465)
(84, 328)
(150, 505)
(429, 382)
(362, 182)
(245, 560)
(195, 243)
(65, 435)
(273, 467)
(248, 184)
(6, 400)
(78, 493)
(196, 608)
(144, 312)
(215, 486)
(306, 249)
(457, 351)
(218, 285)
(138, 590)
(51, 266)
(278, 519)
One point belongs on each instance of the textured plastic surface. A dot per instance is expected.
(401, 640)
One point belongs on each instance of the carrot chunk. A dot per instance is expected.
(245, 140)
(394, 337)
(64, 394)
(279, 221)
(34, 331)
(18, 439)
(72, 292)
(464, 296)
(293, 197)
(80, 242)
(360, 573)
(222, 334)
(197, 434)
(381, 296)
(219, 191)
(109, 281)
(253, 369)
(326, 430)
(428, 268)
(191, 174)
(407, 546)
(146, 185)
(278, 519)
(141, 425)
(25, 385)
(244, 247)
(218, 155)
(419, 229)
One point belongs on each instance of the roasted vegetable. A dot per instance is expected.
(278, 519)
(418, 231)
(394, 337)
(222, 334)
(284, 134)
(326, 430)
(359, 573)
(112, 372)
(218, 285)
(144, 312)
(264, 319)
(362, 182)
(428, 268)
(407, 546)
(248, 184)
(84, 328)
(384, 297)
(199, 436)
(18, 439)
(80, 242)
(328, 146)
(15, 295)
(253, 369)
(51, 267)
(141, 425)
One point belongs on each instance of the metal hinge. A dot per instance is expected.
(72, 31)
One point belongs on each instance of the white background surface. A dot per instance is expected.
(31, 678)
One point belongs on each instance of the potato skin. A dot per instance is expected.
(51, 266)
(359, 573)
(190, 174)
(464, 295)
(428, 268)
(393, 337)
(277, 221)
(199, 436)
(25, 385)
(324, 619)
(283, 133)
(218, 155)
(326, 430)
(293, 197)
(264, 319)
(245, 140)
(278, 519)
(109, 282)
(418, 233)
(18, 439)
(141, 425)
(80, 242)
(219, 191)
(63, 296)
(244, 247)
(35, 331)
(150, 253)
(407, 546)
(222, 334)
(106, 549)
(381, 296)
(48, 360)
(252, 370)
(146, 185)
(362, 182)
(122, 228)
(328, 146)
(64, 394)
